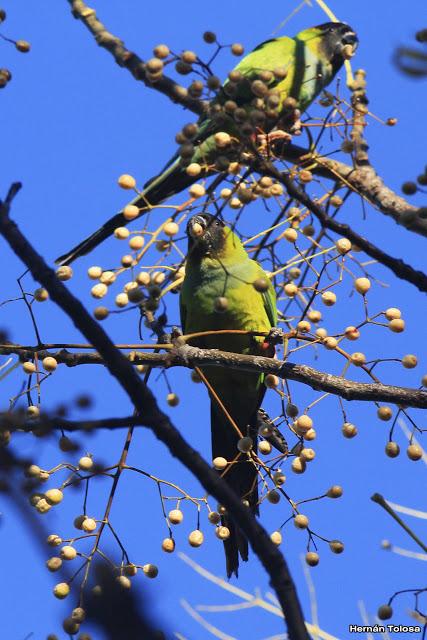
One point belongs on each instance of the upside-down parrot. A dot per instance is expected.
(308, 62)
(224, 289)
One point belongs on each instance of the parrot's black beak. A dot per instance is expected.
(196, 227)
(347, 46)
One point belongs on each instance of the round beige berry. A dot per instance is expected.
(271, 381)
(301, 521)
(298, 465)
(78, 614)
(264, 447)
(99, 290)
(89, 525)
(290, 235)
(222, 139)
(397, 325)
(33, 471)
(219, 463)
(330, 343)
(343, 246)
(54, 496)
(352, 333)
(124, 582)
(303, 326)
(409, 361)
(126, 181)
(161, 51)
(329, 298)
(385, 612)
(393, 313)
(197, 190)
(41, 295)
(33, 412)
(336, 546)
(171, 229)
(85, 463)
(276, 538)
(310, 435)
(64, 273)
(108, 277)
(307, 454)
(172, 399)
(193, 169)
(94, 273)
(121, 233)
(176, 516)
(290, 289)
(222, 533)
(61, 590)
(321, 332)
(101, 313)
(150, 570)
(130, 212)
(168, 545)
(392, 449)
(273, 496)
(358, 359)
(304, 423)
(53, 540)
(414, 452)
(136, 242)
(362, 285)
(54, 564)
(335, 491)
(68, 552)
(143, 278)
(196, 538)
(312, 558)
(245, 444)
(43, 506)
(279, 479)
(314, 315)
(384, 413)
(29, 367)
(349, 430)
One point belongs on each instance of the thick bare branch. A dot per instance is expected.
(193, 357)
(145, 404)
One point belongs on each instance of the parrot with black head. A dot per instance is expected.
(307, 63)
(224, 289)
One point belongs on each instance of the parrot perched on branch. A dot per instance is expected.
(276, 70)
(224, 289)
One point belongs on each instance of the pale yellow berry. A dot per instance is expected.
(222, 139)
(158, 277)
(409, 361)
(314, 315)
(126, 181)
(121, 233)
(61, 590)
(303, 326)
(53, 540)
(33, 471)
(171, 228)
(49, 364)
(196, 538)
(124, 582)
(161, 51)
(276, 538)
(271, 381)
(290, 289)
(150, 570)
(277, 189)
(349, 430)
(85, 463)
(414, 452)
(392, 449)
(54, 496)
(329, 298)
(222, 533)
(78, 522)
(321, 332)
(143, 278)
(33, 412)
(301, 521)
(235, 203)
(219, 463)
(336, 546)
(312, 558)
(305, 176)
(193, 169)
(304, 423)
(136, 242)
(358, 358)
(343, 246)
(168, 545)
(89, 525)
(330, 343)
(362, 285)
(78, 614)
(99, 290)
(335, 491)
(107, 278)
(290, 235)
(245, 444)
(307, 454)
(197, 190)
(41, 295)
(176, 516)
(279, 479)
(298, 465)
(397, 325)
(94, 273)
(29, 367)
(68, 552)
(384, 413)
(310, 435)
(264, 447)
(121, 300)
(43, 506)
(172, 399)
(54, 564)
(130, 212)
(393, 313)
(352, 333)
(225, 193)
(64, 273)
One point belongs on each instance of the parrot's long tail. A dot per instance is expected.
(170, 181)
(241, 477)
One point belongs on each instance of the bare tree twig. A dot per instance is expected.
(146, 405)
(379, 499)
(194, 357)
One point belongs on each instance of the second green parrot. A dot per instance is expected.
(277, 69)
(224, 289)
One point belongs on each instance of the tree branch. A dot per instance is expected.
(192, 357)
(146, 405)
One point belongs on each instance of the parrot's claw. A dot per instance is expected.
(266, 140)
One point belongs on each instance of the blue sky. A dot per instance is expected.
(72, 121)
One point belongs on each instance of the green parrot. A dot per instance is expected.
(224, 289)
(298, 67)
